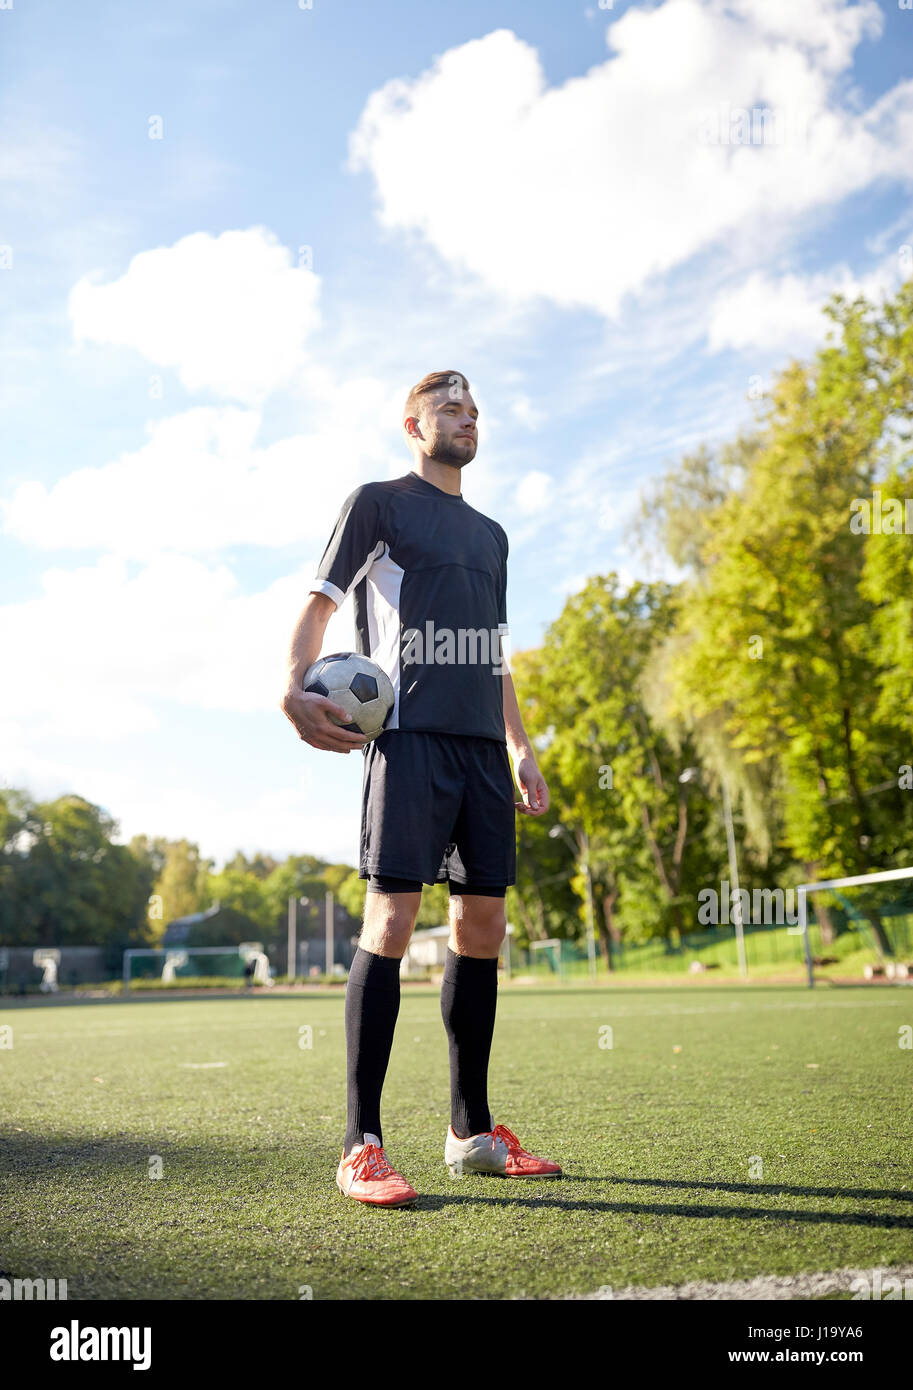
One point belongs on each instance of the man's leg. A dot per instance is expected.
(372, 1005)
(469, 998)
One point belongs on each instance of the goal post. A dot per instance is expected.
(174, 961)
(252, 953)
(47, 959)
(835, 885)
(550, 943)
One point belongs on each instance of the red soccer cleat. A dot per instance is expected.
(366, 1175)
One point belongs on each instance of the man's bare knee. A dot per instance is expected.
(388, 923)
(478, 925)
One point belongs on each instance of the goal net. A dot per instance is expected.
(864, 923)
(183, 965)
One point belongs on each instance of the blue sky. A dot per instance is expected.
(208, 335)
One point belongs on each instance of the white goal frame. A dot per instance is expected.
(550, 941)
(801, 928)
(242, 952)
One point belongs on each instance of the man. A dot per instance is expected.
(429, 578)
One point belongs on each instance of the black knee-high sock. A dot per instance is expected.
(372, 1006)
(469, 998)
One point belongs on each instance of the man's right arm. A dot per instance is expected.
(310, 713)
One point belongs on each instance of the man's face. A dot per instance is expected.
(449, 427)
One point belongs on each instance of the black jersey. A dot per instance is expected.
(429, 578)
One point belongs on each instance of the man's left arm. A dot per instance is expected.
(529, 778)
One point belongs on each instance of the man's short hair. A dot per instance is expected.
(454, 381)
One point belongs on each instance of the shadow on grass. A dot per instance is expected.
(773, 1189)
(218, 1166)
(703, 1213)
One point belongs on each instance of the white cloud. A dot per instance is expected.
(784, 313)
(893, 238)
(102, 647)
(105, 661)
(570, 584)
(769, 313)
(201, 483)
(38, 163)
(231, 314)
(526, 414)
(830, 28)
(533, 492)
(583, 193)
(280, 821)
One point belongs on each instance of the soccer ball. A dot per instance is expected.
(357, 684)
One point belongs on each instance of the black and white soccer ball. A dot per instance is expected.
(356, 683)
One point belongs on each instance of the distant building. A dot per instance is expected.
(176, 932)
(426, 951)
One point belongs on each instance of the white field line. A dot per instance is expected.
(768, 1286)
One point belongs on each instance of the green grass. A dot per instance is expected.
(655, 1144)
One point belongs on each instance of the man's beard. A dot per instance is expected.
(442, 451)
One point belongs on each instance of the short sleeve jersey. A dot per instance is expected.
(428, 574)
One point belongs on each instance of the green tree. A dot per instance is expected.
(434, 907)
(260, 865)
(19, 830)
(779, 639)
(244, 893)
(352, 892)
(887, 582)
(150, 854)
(76, 886)
(182, 884)
(613, 775)
(541, 903)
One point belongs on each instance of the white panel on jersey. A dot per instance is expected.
(323, 586)
(385, 580)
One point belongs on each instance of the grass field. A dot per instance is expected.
(655, 1135)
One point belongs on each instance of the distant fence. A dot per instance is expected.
(765, 946)
(78, 965)
(312, 955)
(82, 965)
(715, 947)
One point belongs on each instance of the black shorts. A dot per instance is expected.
(438, 808)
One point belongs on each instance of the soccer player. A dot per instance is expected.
(429, 577)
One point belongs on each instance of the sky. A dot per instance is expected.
(233, 233)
